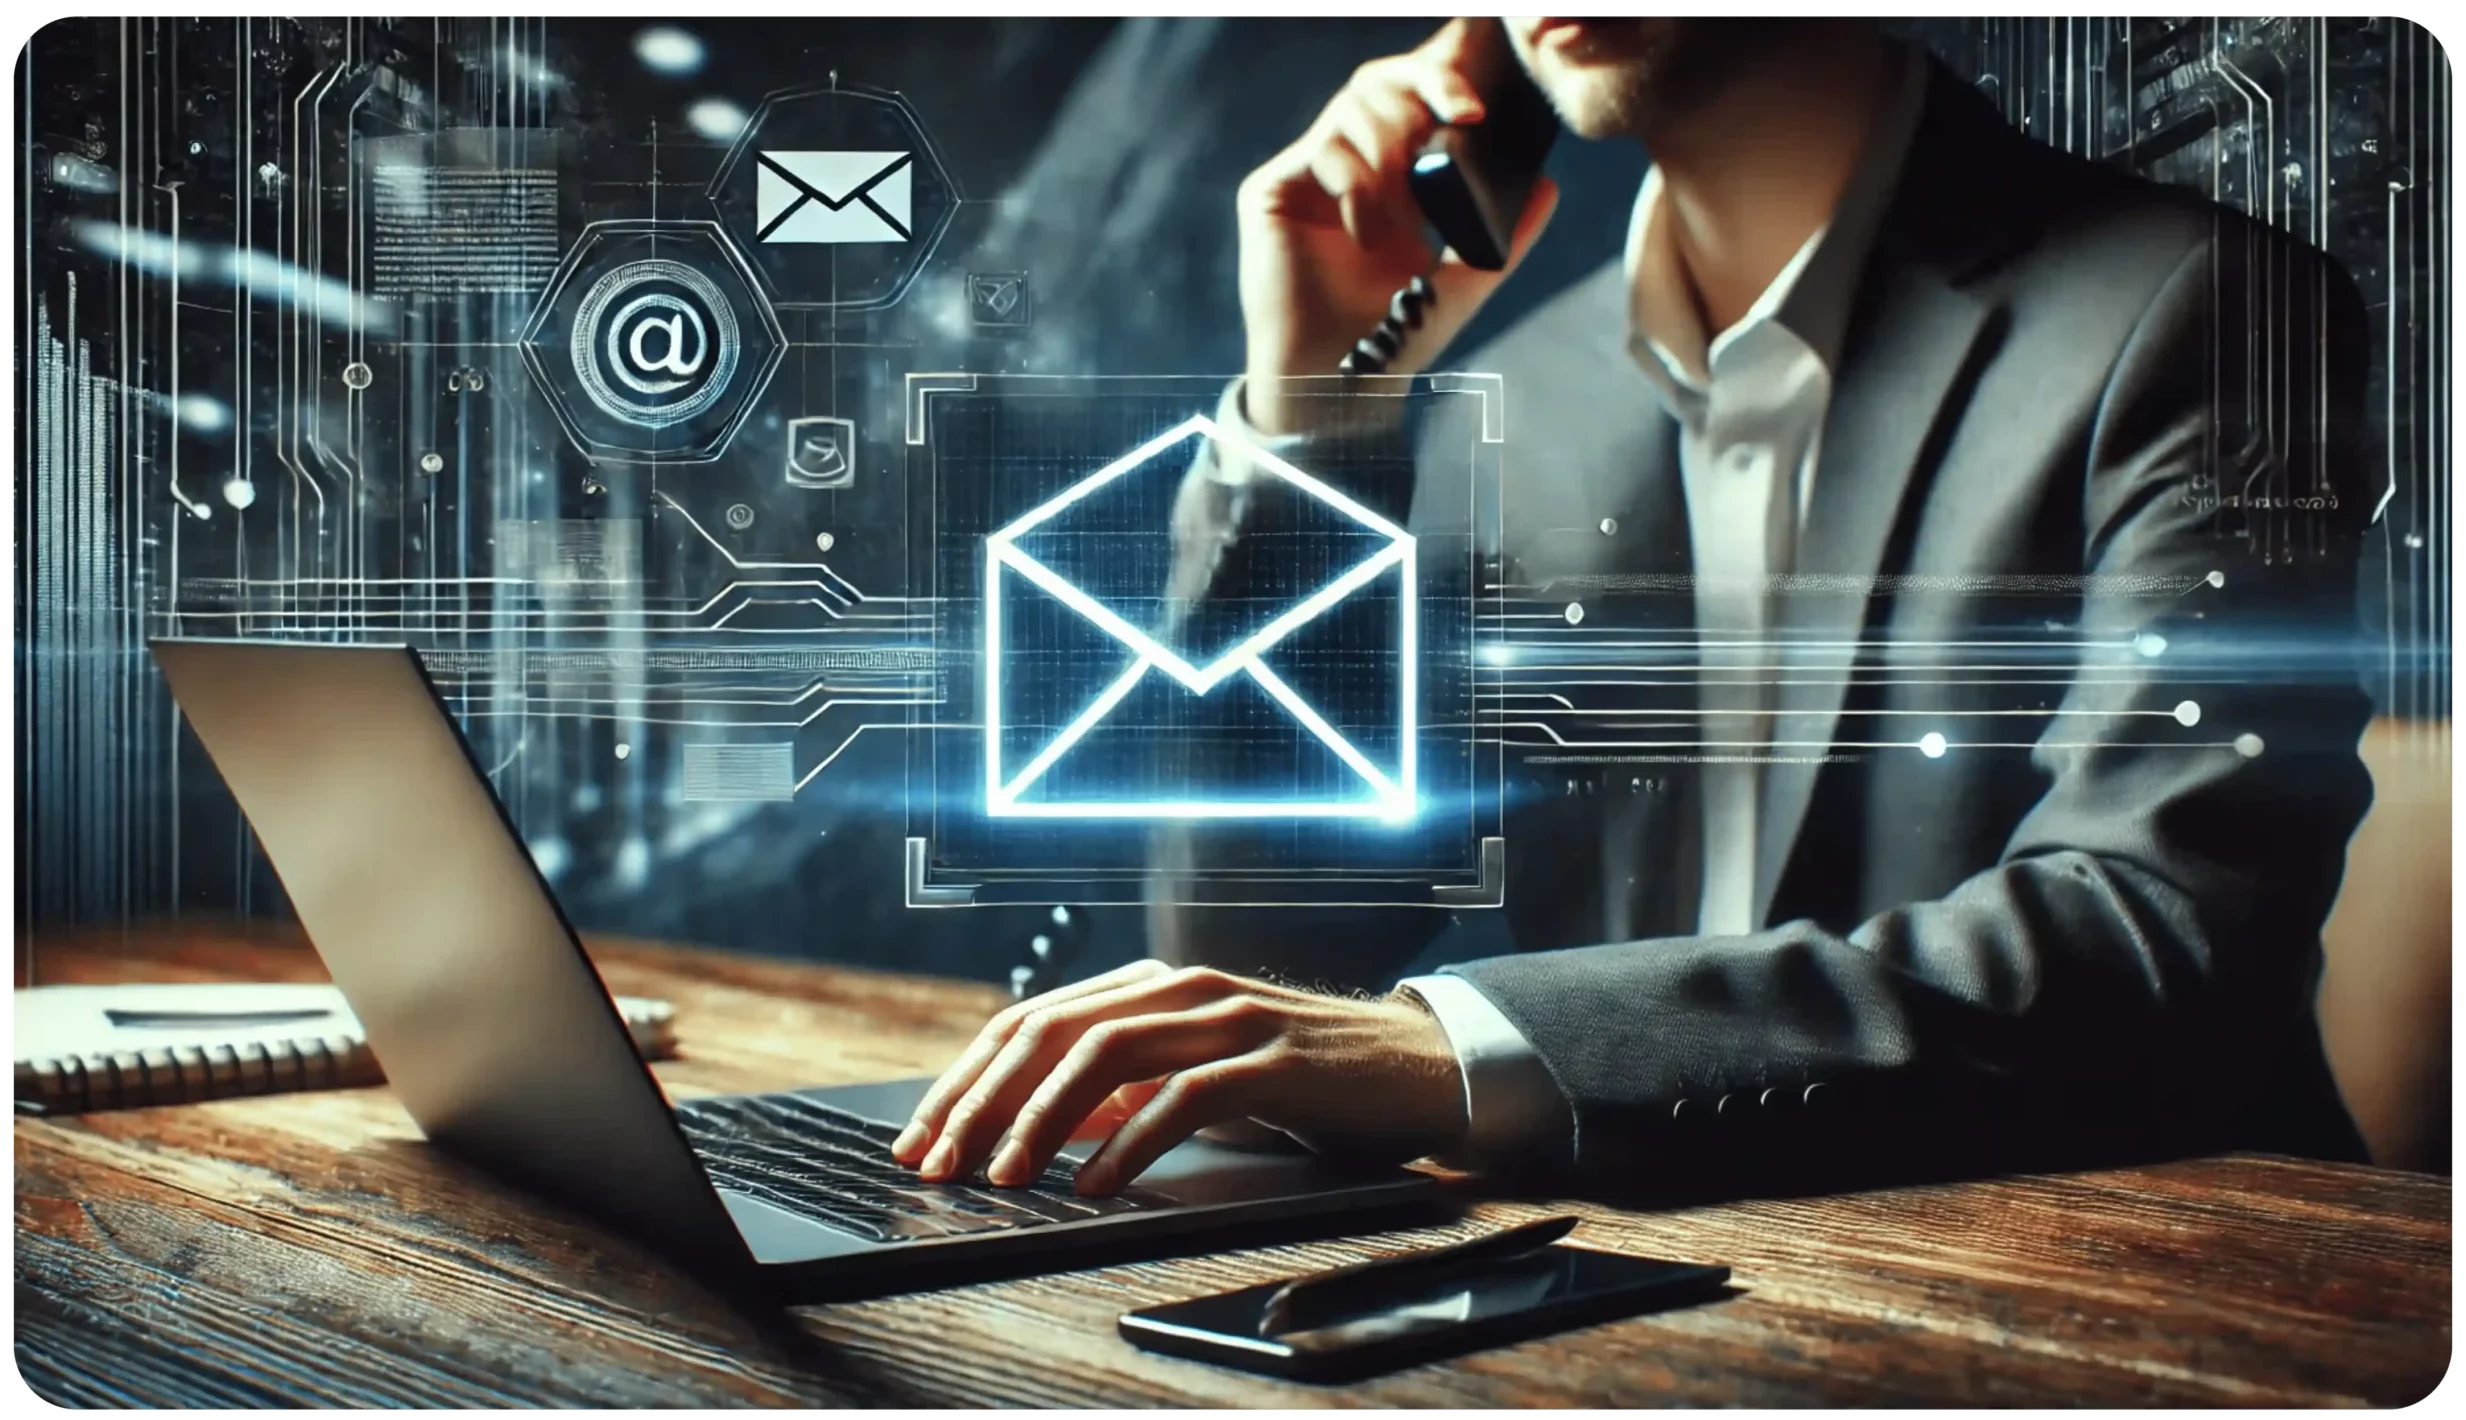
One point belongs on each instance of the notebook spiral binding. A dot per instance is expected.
(189, 1073)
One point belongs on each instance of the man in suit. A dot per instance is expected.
(1893, 394)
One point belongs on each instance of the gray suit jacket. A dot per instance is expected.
(2079, 944)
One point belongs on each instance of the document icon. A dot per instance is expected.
(833, 197)
(1357, 573)
(822, 452)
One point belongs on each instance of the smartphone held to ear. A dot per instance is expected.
(1473, 181)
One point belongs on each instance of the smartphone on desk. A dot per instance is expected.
(1550, 1289)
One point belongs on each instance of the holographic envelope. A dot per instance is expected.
(1350, 562)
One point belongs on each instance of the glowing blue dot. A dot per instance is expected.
(2188, 713)
(552, 856)
(200, 411)
(669, 50)
(2149, 643)
(624, 751)
(1575, 613)
(1496, 654)
(2217, 579)
(1932, 745)
(2249, 746)
(716, 119)
(239, 493)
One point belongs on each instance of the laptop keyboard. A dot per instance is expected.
(835, 1167)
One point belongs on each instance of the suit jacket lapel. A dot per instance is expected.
(1912, 350)
(1659, 830)
(1605, 446)
(1590, 440)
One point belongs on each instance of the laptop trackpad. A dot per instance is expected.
(775, 1235)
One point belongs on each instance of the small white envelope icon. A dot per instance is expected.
(1385, 791)
(833, 197)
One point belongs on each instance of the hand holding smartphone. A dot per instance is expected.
(1473, 182)
(1336, 224)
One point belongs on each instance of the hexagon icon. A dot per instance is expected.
(836, 196)
(652, 341)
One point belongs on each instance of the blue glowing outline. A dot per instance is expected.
(1391, 799)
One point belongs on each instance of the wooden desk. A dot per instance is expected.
(309, 1250)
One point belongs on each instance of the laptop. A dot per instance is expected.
(501, 1040)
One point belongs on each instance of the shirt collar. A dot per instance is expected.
(1810, 296)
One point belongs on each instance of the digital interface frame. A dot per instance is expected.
(1320, 730)
(273, 380)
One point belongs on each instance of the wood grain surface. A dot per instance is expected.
(310, 1250)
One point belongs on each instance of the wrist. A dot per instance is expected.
(1430, 1060)
(1268, 404)
(1280, 403)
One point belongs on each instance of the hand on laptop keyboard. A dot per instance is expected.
(809, 1158)
(1168, 1052)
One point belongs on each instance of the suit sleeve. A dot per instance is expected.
(2141, 957)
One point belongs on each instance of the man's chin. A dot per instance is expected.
(1630, 77)
(1595, 101)
(1595, 72)
(1600, 123)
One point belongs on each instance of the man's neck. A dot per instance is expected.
(1757, 170)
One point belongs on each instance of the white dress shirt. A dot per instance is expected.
(1750, 406)
(1750, 403)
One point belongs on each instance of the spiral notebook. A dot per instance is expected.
(83, 1048)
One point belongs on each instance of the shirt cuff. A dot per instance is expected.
(1231, 417)
(1511, 1105)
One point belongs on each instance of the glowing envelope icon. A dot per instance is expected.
(1385, 791)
